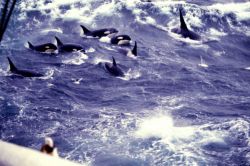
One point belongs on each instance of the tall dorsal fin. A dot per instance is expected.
(30, 45)
(12, 66)
(114, 62)
(85, 30)
(59, 43)
(183, 24)
(134, 51)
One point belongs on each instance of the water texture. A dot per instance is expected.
(181, 102)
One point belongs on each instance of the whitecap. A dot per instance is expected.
(49, 74)
(78, 59)
(130, 74)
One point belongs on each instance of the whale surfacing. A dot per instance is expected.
(113, 69)
(121, 40)
(68, 47)
(110, 32)
(43, 48)
(133, 52)
(24, 73)
(184, 31)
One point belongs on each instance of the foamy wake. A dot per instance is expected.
(49, 74)
(131, 74)
(77, 59)
(162, 126)
(189, 140)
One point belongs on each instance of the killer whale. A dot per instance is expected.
(184, 31)
(113, 69)
(24, 73)
(110, 32)
(68, 47)
(45, 48)
(133, 52)
(121, 40)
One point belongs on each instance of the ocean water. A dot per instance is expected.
(181, 102)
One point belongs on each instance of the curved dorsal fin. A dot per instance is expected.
(85, 30)
(59, 43)
(134, 51)
(183, 24)
(30, 45)
(12, 66)
(114, 62)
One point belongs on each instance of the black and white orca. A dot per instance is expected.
(68, 47)
(44, 48)
(184, 31)
(113, 69)
(24, 73)
(109, 32)
(121, 40)
(133, 52)
(49, 148)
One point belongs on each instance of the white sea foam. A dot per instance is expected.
(99, 60)
(248, 32)
(163, 127)
(218, 53)
(50, 84)
(247, 68)
(4, 72)
(49, 74)
(90, 50)
(58, 30)
(241, 10)
(109, 48)
(130, 74)
(189, 140)
(78, 59)
(215, 34)
(84, 13)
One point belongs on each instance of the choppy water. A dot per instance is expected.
(170, 109)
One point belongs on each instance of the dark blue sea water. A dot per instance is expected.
(181, 102)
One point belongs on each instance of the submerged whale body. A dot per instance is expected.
(184, 31)
(110, 32)
(24, 73)
(121, 40)
(45, 48)
(68, 47)
(113, 69)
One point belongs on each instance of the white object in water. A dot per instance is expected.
(202, 63)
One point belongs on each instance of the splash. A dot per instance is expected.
(76, 60)
(163, 127)
(131, 74)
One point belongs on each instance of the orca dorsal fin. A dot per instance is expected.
(30, 45)
(114, 62)
(12, 66)
(183, 24)
(134, 50)
(59, 43)
(85, 30)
